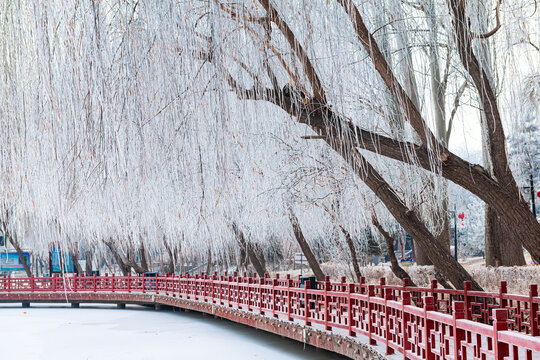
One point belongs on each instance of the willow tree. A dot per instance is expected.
(296, 81)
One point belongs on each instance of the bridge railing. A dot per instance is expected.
(421, 323)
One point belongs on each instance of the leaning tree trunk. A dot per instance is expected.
(350, 244)
(122, 263)
(306, 249)
(22, 259)
(142, 255)
(396, 269)
(88, 267)
(248, 248)
(74, 258)
(209, 260)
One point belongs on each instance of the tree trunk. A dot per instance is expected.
(88, 267)
(248, 248)
(22, 259)
(209, 260)
(396, 269)
(499, 247)
(171, 256)
(122, 263)
(142, 255)
(76, 265)
(311, 259)
(350, 245)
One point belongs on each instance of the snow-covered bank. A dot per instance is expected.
(103, 332)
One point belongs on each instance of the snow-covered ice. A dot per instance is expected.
(104, 332)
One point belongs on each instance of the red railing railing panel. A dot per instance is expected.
(419, 323)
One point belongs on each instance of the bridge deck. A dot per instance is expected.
(339, 317)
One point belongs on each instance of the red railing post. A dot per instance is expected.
(112, 282)
(350, 316)
(387, 332)
(9, 283)
(370, 294)
(326, 302)
(274, 284)
(500, 323)
(405, 301)
(533, 310)
(249, 282)
(93, 283)
(75, 282)
(306, 302)
(143, 284)
(32, 283)
(237, 289)
(261, 305)
(502, 291)
(362, 284)
(434, 286)
(428, 327)
(458, 312)
(129, 283)
(229, 291)
(289, 283)
(468, 310)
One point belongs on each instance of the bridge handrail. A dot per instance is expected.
(421, 323)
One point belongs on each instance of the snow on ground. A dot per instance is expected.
(103, 332)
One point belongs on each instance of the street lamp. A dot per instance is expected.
(532, 194)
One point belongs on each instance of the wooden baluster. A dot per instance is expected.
(112, 282)
(274, 284)
(405, 301)
(466, 300)
(387, 323)
(428, 327)
(533, 310)
(371, 330)
(306, 302)
(350, 309)
(261, 311)
(289, 283)
(143, 284)
(500, 323)
(458, 312)
(326, 302)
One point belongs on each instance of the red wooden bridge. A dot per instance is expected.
(356, 320)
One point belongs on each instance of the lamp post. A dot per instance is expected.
(531, 193)
(455, 232)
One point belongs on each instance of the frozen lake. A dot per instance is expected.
(58, 332)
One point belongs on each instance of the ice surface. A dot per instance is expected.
(103, 332)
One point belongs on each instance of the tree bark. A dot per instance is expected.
(142, 255)
(396, 269)
(22, 259)
(76, 265)
(171, 267)
(88, 267)
(122, 263)
(209, 260)
(350, 244)
(248, 248)
(306, 249)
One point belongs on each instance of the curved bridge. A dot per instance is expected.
(356, 320)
